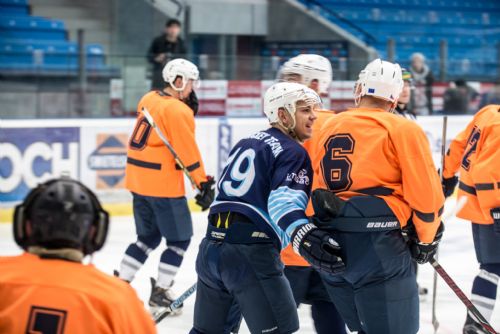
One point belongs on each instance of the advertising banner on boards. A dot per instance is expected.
(95, 151)
(29, 156)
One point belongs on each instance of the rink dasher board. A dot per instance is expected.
(94, 150)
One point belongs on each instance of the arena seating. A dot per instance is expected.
(471, 28)
(30, 44)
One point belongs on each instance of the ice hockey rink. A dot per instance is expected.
(456, 256)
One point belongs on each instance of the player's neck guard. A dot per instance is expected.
(69, 254)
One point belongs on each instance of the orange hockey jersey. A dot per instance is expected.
(58, 296)
(151, 169)
(475, 152)
(371, 151)
(288, 256)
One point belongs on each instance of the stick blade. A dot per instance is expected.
(160, 314)
(435, 324)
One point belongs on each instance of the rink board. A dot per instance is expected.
(94, 151)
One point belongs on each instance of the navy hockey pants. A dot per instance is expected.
(249, 275)
(308, 288)
(377, 294)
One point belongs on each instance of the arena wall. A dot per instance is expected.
(94, 151)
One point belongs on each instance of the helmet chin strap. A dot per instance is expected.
(357, 95)
(393, 107)
(357, 99)
(290, 130)
(180, 89)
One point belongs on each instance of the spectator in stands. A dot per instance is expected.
(165, 47)
(457, 98)
(491, 97)
(423, 80)
(405, 101)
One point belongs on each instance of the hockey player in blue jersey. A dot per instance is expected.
(260, 208)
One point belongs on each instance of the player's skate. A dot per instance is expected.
(472, 327)
(162, 298)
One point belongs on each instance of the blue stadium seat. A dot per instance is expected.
(14, 2)
(49, 56)
(30, 43)
(29, 22)
(471, 28)
(14, 7)
(7, 9)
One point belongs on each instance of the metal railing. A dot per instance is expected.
(43, 91)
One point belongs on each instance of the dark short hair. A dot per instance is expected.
(172, 22)
(460, 83)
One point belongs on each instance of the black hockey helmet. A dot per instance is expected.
(61, 213)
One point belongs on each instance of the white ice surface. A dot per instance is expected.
(456, 256)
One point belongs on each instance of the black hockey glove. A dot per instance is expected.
(192, 102)
(495, 214)
(449, 185)
(318, 248)
(420, 251)
(326, 204)
(207, 193)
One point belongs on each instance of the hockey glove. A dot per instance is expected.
(318, 248)
(495, 214)
(326, 204)
(420, 251)
(192, 102)
(449, 185)
(207, 193)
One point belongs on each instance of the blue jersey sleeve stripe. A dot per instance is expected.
(280, 208)
(275, 199)
(286, 189)
(283, 212)
(285, 193)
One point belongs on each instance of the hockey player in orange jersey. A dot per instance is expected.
(475, 153)
(379, 167)
(157, 182)
(47, 289)
(314, 71)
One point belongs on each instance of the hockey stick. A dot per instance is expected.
(461, 295)
(178, 161)
(435, 322)
(162, 312)
(451, 283)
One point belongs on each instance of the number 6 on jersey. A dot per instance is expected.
(336, 164)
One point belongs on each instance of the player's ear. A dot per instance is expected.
(283, 116)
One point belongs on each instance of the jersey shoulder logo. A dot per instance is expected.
(299, 178)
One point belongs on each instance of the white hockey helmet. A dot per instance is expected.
(380, 79)
(180, 68)
(286, 95)
(310, 67)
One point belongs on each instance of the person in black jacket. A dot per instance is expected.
(165, 47)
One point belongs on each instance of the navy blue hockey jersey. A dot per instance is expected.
(268, 179)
